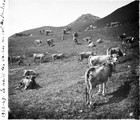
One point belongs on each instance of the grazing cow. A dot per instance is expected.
(75, 40)
(99, 40)
(98, 75)
(75, 34)
(99, 59)
(42, 32)
(83, 55)
(18, 59)
(91, 44)
(50, 42)
(117, 51)
(38, 42)
(128, 40)
(48, 32)
(87, 39)
(28, 82)
(57, 56)
(122, 36)
(65, 31)
(39, 56)
(29, 72)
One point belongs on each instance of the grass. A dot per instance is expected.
(60, 90)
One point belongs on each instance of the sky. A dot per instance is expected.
(29, 14)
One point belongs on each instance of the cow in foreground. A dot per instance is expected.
(83, 55)
(28, 82)
(99, 59)
(97, 75)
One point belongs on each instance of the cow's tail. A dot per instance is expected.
(87, 74)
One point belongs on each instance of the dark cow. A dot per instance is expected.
(98, 75)
(50, 42)
(122, 36)
(117, 51)
(128, 41)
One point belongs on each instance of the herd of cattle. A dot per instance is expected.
(100, 68)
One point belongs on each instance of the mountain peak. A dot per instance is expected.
(85, 18)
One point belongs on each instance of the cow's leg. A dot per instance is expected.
(100, 89)
(87, 94)
(104, 85)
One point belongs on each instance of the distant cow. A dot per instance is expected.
(117, 51)
(42, 32)
(28, 82)
(99, 59)
(65, 31)
(83, 55)
(29, 73)
(122, 36)
(99, 40)
(97, 75)
(38, 42)
(57, 56)
(39, 56)
(91, 44)
(87, 39)
(128, 41)
(48, 32)
(50, 42)
(18, 59)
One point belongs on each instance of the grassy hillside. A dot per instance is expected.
(60, 89)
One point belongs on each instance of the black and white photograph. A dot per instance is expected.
(71, 59)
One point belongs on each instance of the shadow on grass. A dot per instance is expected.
(120, 94)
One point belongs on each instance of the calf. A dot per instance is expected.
(97, 75)
(83, 55)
